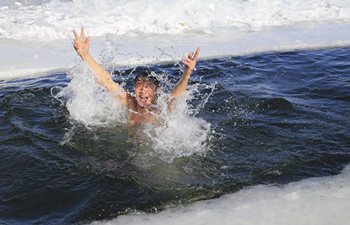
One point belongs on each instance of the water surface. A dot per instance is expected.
(274, 118)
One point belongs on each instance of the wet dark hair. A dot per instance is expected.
(147, 76)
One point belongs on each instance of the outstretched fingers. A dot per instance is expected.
(75, 34)
(185, 59)
(196, 54)
(81, 43)
(87, 41)
(190, 64)
(191, 60)
(82, 35)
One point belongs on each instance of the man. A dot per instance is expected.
(141, 106)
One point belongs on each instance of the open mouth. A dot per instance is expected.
(143, 99)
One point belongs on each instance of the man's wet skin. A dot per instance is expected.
(141, 105)
(142, 108)
(145, 92)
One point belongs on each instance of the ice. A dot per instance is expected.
(315, 201)
(36, 35)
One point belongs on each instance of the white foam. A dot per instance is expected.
(88, 103)
(179, 133)
(315, 201)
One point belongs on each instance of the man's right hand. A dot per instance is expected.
(81, 43)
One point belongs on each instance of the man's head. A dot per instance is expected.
(146, 87)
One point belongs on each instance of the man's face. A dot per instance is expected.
(145, 92)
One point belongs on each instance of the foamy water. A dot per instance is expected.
(278, 117)
(87, 102)
(176, 133)
(36, 36)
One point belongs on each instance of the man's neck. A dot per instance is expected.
(144, 110)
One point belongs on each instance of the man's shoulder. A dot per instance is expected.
(131, 102)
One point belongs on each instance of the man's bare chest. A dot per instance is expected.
(140, 118)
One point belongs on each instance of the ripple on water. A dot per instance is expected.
(271, 118)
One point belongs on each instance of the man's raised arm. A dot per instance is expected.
(190, 64)
(81, 46)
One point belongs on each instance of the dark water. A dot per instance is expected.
(277, 117)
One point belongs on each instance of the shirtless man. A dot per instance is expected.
(141, 105)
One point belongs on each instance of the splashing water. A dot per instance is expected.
(88, 103)
(180, 133)
(276, 118)
(177, 133)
